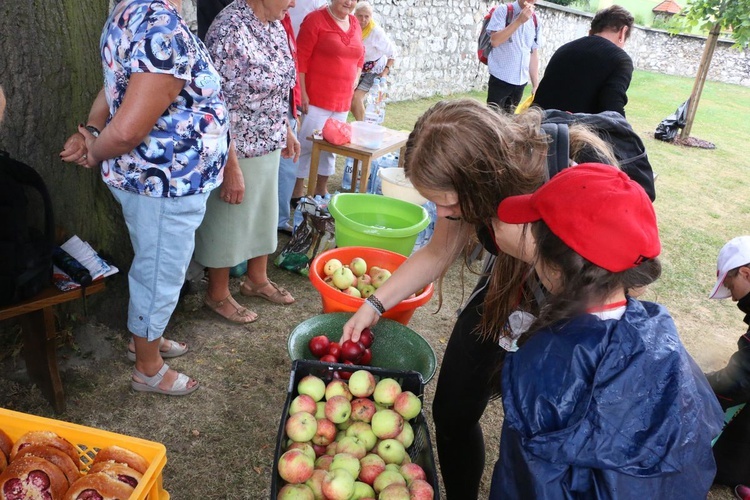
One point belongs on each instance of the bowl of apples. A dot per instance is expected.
(388, 344)
(346, 276)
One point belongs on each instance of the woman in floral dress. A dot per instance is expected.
(250, 50)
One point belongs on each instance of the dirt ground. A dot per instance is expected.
(220, 440)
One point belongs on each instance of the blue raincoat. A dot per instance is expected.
(606, 409)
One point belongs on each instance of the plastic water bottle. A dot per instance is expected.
(424, 237)
(371, 102)
(382, 98)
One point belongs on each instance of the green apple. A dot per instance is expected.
(315, 483)
(353, 446)
(386, 478)
(406, 437)
(295, 467)
(301, 427)
(391, 451)
(363, 432)
(338, 387)
(343, 278)
(394, 492)
(312, 386)
(358, 266)
(296, 492)
(387, 424)
(362, 384)
(362, 490)
(331, 266)
(302, 402)
(408, 405)
(386, 392)
(339, 409)
(338, 485)
(345, 461)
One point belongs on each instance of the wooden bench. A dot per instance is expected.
(37, 317)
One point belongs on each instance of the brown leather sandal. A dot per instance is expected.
(241, 315)
(279, 296)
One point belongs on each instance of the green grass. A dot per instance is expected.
(701, 194)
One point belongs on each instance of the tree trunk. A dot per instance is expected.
(51, 70)
(700, 79)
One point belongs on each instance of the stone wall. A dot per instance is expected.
(437, 43)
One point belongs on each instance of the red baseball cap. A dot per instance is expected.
(595, 209)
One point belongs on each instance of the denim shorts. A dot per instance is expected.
(162, 232)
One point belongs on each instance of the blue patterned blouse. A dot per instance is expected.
(187, 148)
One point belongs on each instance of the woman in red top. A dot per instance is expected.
(330, 55)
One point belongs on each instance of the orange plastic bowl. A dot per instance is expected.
(336, 301)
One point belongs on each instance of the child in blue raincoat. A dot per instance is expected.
(601, 400)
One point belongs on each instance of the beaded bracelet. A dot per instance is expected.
(375, 304)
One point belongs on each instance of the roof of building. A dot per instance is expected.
(668, 6)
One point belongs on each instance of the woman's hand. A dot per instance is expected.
(75, 150)
(304, 102)
(233, 187)
(365, 317)
(292, 149)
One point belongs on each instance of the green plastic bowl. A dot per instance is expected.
(396, 347)
(370, 220)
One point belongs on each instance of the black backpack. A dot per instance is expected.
(614, 129)
(25, 251)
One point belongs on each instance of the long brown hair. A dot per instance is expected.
(485, 155)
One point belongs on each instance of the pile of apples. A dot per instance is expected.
(354, 278)
(349, 441)
(349, 353)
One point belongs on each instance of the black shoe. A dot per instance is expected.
(293, 202)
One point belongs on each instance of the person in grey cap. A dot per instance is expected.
(731, 384)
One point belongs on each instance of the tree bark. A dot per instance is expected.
(700, 79)
(51, 70)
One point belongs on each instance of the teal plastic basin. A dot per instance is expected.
(370, 220)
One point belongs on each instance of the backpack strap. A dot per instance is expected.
(558, 154)
(28, 176)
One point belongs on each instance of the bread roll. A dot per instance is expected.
(6, 444)
(32, 478)
(57, 457)
(122, 456)
(48, 438)
(98, 486)
(118, 471)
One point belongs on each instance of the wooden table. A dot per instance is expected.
(37, 316)
(392, 141)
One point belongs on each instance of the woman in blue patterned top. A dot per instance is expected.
(159, 128)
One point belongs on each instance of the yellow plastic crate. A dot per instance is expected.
(88, 441)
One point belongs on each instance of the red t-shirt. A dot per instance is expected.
(330, 59)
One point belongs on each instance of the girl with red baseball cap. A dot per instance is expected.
(601, 399)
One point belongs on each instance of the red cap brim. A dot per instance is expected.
(517, 210)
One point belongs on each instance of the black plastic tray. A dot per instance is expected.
(420, 451)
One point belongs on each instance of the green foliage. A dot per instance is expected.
(731, 15)
(564, 3)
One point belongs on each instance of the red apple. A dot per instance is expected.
(319, 345)
(366, 358)
(344, 374)
(334, 349)
(351, 351)
(328, 358)
(366, 337)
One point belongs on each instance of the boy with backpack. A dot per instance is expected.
(513, 60)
